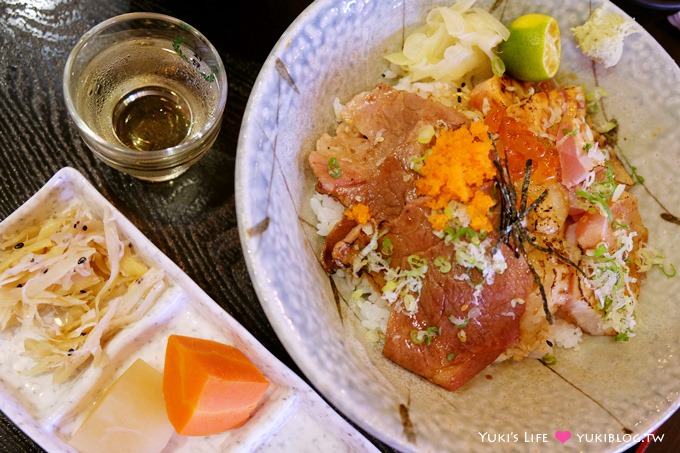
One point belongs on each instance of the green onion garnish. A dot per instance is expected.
(424, 336)
(622, 336)
(387, 246)
(497, 65)
(334, 168)
(416, 338)
(442, 264)
(549, 359)
(416, 262)
(458, 322)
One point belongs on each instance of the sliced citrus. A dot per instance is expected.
(532, 52)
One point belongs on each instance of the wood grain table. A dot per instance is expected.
(192, 219)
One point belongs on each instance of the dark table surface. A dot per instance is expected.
(192, 219)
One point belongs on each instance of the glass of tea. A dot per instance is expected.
(147, 92)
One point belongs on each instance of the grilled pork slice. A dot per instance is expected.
(368, 160)
(472, 330)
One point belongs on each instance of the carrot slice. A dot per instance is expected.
(209, 387)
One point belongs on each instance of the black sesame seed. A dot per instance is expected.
(19, 245)
(550, 343)
(84, 227)
(82, 291)
(82, 260)
(45, 271)
(71, 350)
(462, 84)
(82, 334)
(20, 285)
(460, 99)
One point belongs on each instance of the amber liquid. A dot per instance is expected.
(151, 118)
(142, 94)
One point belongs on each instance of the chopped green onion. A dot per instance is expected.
(587, 147)
(358, 294)
(416, 338)
(619, 226)
(671, 273)
(425, 134)
(596, 200)
(649, 258)
(622, 336)
(416, 262)
(390, 285)
(442, 264)
(497, 65)
(450, 356)
(458, 322)
(334, 168)
(416, 163)
(600, 250)
(387, 246)
(430, 333)
(549, 359)
(636, 176)
(424, 336)
(593, 99)
(452, 235)
(607, 127)
(462, 336)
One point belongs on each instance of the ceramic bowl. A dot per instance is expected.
(619, 391)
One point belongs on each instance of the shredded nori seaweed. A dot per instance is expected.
(511, 228)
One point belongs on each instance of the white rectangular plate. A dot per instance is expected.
(291, 418)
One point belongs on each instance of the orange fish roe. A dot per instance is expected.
(438, 220)
(458, 166)
(518, 143)
(478, 210)
(359, 213)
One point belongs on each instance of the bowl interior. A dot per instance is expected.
(334, 49)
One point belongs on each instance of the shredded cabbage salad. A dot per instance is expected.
(610, 280)
(71, 283)
(402, 286)
(601, 36)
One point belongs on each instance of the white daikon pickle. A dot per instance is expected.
(130, 417)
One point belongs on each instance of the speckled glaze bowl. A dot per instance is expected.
(618, 391)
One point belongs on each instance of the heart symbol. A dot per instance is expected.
(563, 436)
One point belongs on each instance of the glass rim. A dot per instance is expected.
(114, 148)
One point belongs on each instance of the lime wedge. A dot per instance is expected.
(532, 52)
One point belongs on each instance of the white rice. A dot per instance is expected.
(328, 212)
(366, 303)
(564, 334)
(443, 92)
(338, 107)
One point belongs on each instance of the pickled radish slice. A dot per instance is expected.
(209, 387)
(130, 416)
